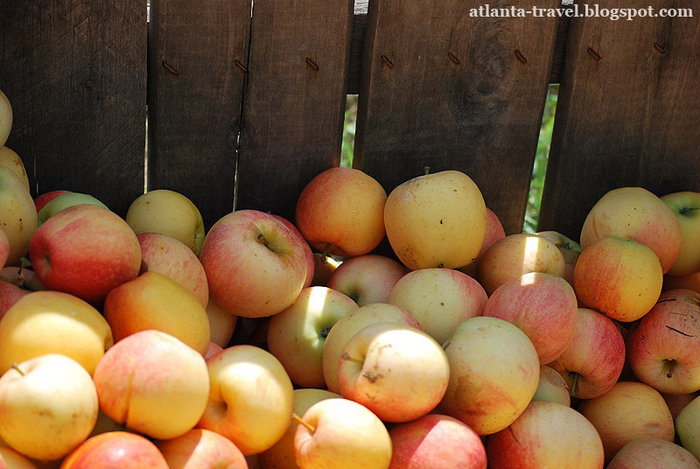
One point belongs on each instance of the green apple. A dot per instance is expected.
(686, 206)
(12, 160)
(64, 201)
(17, 213)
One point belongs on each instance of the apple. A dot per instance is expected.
(53, 322)
(168, 212)
(494, 372)
(11, 459)
(256, 265)
(436, 220)
(85, 250)
(542, 305)
(200, 448)
(222, 324)
(324, 266)
(517, 254)
(636, 214)
(172, 258)
(439, 299)
(618, 277)
(5, 118)
(281, 454)
(368, 278)
(341, 434)
(663, 347)
(552, 387)
(547, 434)
(296, 336)
(350, 324)
(686, 206)
(49, 406)
(688, 427)
(13, 161)
(166, 390)
(250, 398)
(436, 441)
(494, 232)
(592, 362)
(154, 301)
(341, 212)
(212, 350)
(15, 282)
(569, 248)
(63, 201)
(42, 199)
(630, 410)
(676, 402)
(17, 213)
(398, 372)
(114, 449)
(653, 453)
(691, 281)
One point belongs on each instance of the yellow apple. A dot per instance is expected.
(250, 399)
(53, 322)
(14, 460)
(49, 406)
(688, 427)
(154, 301)
(153, 383)
(635, 213)
(18, 214)
(5, 118)
(222, 324)
(619, 277)
(340, 212)
(168, 212)
(686, 206)
(12, 160)
(436, 220)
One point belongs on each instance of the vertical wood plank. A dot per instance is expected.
(628, 112)
(444, 88)
(294, 101)
(75, 73)
(197, 60)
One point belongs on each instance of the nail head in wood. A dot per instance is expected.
(659, 48)
(521, 58)
(170, 68)
(387, 61)
(594, 53)
(310, 62)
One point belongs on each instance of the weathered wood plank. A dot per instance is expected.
(628, 112)
(294, 101)
(443, 89)
(197, 60)
(75, 73)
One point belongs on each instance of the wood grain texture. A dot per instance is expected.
(294, 100)
(75, 73)
(443, 89)
(198, 54)
(628, 112)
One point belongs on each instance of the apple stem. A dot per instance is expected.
(671, 366)
(17, 367)
(303, 422)
(574, 382)
(426, 169)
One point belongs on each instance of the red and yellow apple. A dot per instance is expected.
(12, 459)
(256, 265)
(636, 214)
(200, 448)
(552, 387)
(569, 248)
(494, 232)
(153, 383)
(121, 449)
(436, 220)
(653, 453)
(297, 335)
(368, 278)
(44, 198)
(222, 324)
(341, 212)
(63, 201)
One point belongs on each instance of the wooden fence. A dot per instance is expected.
(245, 101)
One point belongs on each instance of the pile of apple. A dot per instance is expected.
(462, 347)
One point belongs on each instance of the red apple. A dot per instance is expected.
(518, 254)
(436, 441)
(653, 453)
(341, 212)
(593, 360)
(544, 306)
(663, 348)
(618, 277)
(628, 411)
(200, 448)
(569, 248)
(174, 259)
(368, 278)
(120, 449)
(636, 214)
(255, 264)
(494, 232)
(547, 434)
(85, 250)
